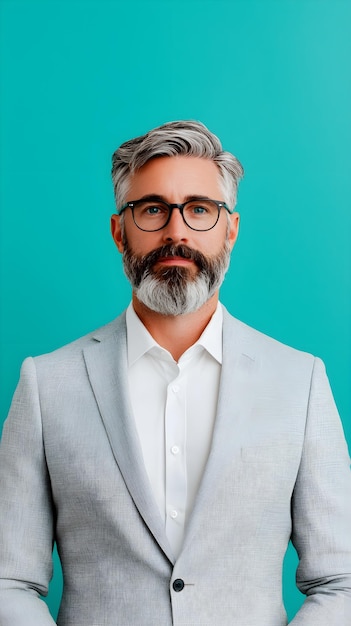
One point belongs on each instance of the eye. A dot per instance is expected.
(199, 210)
(153, 210)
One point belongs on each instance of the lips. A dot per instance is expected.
(174, 260)
(174, 254)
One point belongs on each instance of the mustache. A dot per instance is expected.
(147, 262)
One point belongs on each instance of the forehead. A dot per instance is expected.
(176, 178)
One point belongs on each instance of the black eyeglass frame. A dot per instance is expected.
(133, 203)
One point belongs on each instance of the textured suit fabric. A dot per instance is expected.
(71, 470)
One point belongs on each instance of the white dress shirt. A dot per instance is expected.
(174, 406)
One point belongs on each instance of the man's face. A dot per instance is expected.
(175, 180)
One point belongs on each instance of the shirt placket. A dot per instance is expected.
(175, 456)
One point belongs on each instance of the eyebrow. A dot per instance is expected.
(157, 198)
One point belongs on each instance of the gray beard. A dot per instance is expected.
(175, 290)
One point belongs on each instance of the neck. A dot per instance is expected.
(176, 333)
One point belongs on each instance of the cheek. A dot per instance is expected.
(141, 243)
(216, 241)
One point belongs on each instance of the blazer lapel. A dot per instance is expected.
(106, 361)
(232, 426)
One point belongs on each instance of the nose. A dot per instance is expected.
(176, 229)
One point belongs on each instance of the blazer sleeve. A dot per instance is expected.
(321, 513)
(26, 513)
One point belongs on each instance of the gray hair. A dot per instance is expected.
(185, 138)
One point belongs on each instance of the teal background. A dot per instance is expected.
(271, 78)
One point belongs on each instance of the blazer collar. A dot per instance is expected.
(232, 426)
(106, 362)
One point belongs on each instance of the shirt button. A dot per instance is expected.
(175, 388)
(174, 449)
(178, 584)
(173, 514)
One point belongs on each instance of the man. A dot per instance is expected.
(173, 453)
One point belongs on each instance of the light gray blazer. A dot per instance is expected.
(71, 469)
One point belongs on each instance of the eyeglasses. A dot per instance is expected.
(152, 214)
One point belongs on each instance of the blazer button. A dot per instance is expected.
(178, 584)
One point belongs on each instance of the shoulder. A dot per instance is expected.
(73, 351)
(261, 347)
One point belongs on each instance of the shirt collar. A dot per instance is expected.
(139, 340)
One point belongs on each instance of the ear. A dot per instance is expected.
(116, 231)
(234, 228)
